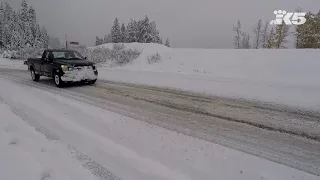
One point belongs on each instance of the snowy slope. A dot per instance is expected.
(280, 76)
(126, 147)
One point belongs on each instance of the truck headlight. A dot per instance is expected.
(64, 68)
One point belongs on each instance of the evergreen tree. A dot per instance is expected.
(38, 41)
(8, 25)
(123, 32)
(99, 41)
(32, 22)
(116, 32)
(154, 32)
(16, 39)
(107, 38)
(308, 34)
(44, 37)
(2, 37)
(167, 43)
(132, 31)
(145, 34)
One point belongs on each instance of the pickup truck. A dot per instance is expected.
(64, 66)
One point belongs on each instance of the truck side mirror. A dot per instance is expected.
(85, 58)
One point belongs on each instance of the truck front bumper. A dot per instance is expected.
(80, 75)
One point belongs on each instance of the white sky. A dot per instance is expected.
(187, 23)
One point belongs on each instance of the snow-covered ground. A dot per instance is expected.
(12, 64)
(27, 155)
(289, 77)
(127, 148)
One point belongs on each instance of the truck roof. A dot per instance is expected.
(60, 50)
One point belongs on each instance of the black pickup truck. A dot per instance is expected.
(64, 66)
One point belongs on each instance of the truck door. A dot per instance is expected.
(47, 65)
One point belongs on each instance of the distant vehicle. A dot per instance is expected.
(64, 66)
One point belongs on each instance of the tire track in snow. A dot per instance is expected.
(88, 163)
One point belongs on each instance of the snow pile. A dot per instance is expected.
(12, 64)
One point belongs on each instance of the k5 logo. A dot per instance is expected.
(289, 18)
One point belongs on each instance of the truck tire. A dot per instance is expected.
(57, 80)
(92, 82)
(34, 76)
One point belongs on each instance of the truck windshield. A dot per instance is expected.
(67, 55)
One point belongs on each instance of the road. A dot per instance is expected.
(277, 133)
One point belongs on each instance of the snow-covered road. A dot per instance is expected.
(78, 133)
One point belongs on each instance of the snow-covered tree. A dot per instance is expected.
(154, 32)
(167, 43)
(32, 21)
(271, 42)
(308, 34)
(99, 41)
(2, 37)
(54, 42)
(281, 34)
(265, 34)
(133, 31)
(237, 37)
(245, 41)
(107, 38)
(257, 30)
(116, 32)
(123, 33)
(44, 37)
(160, 41)
(145, 34)
(8, 25)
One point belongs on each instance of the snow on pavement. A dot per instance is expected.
(126, 147)
(27, 155)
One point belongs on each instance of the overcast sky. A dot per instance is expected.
(187, 23)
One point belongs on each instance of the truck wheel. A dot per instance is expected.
(92, 82)
(57, 80)
(34, 76)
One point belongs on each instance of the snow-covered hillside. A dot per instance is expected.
(280, 76)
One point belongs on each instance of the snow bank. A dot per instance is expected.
(288, 77)
(12, 64)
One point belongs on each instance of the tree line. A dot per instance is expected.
(306, 35)
(142, 31)
(20, 29)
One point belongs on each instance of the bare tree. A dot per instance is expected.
(257, 30)
(237, 37)
(265, 34)
(271, 39)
